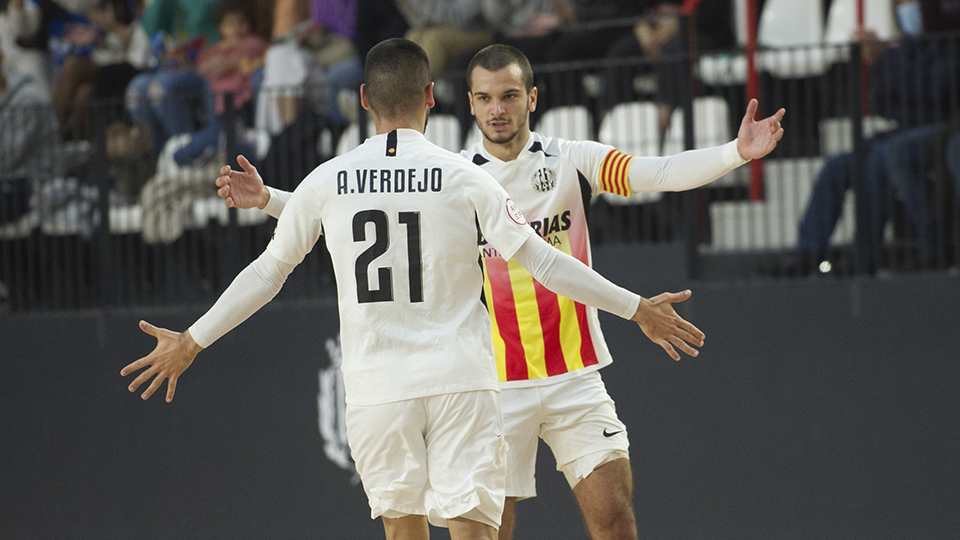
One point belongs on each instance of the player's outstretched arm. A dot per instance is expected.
(757, 138)
(696, 168)
(172, 356)
(242, 189)
(658, 320)
(572, 279)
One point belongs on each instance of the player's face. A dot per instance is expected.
(501, 104)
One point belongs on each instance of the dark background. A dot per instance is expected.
(818, 409)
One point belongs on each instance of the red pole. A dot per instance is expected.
(753, 90)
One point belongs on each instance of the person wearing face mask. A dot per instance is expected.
(912, 81)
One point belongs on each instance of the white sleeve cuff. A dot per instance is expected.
(278, 199)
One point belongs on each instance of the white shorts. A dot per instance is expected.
(439, 456)
(576, 418)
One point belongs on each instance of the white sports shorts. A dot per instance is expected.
(576, 418)
(439, 456)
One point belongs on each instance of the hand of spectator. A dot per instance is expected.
(249, 65)
(758, 138)
(81, 34)
(655, 31)
(101, 18)
(242, 189)
(541, 24)
(870, 45)
(169, 359)
(658, 320)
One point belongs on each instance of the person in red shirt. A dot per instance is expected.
(228, 67)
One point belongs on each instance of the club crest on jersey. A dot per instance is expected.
(515, 213)
(544, 179)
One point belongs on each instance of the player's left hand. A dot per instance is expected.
(758, 138)
(169, 359)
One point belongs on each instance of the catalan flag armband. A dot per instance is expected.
(613, 173)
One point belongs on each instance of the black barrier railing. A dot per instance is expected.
(864, 181)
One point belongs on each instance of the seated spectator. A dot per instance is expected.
(895, 161)
(165, 98)
(45, 26)
(529, 25)
(227, 67)
(445, 29)
(312, 60)
(604, 26)
(119, 53)
(660, 40)
(28, 141)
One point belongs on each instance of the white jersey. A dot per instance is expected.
(541, 337)
(400, 218)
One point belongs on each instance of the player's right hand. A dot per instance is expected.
(169, 359)
(658, 320)
(242, 189)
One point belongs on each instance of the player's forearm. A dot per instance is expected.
(275, 203)
(683, 171)
(253, 287)
(572, 279)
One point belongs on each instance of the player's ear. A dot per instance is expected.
(470, 99)
(363, 97)
(428, 97)
(532, 98)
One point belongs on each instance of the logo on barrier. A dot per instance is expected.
(331, 409)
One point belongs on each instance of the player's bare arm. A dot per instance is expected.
(757, 138)
(242, 189)
(658, 320)
(172, 356)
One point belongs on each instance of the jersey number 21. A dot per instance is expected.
(380, 244)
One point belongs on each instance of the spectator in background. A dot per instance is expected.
(119, 53)
(912, 81)
(313, 59)
(227, 67)
(28, 141)
(165, 98)
(445, 29)
(532, 26)
(660, 38)
(45, 26)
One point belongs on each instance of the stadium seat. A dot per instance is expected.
(572, 122)
(711, 125)
(792, 34)
(842, 20)
(443, 130)
(350, 138)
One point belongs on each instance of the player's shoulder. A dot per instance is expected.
(556, 146)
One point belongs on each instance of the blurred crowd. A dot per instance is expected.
(167, 80)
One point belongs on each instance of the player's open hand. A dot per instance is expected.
(242, 189)
(758, 138)
(172, 356)
(664, 327)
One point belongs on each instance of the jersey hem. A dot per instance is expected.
(553, 379)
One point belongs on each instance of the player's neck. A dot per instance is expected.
(509, 150)
(385, 125)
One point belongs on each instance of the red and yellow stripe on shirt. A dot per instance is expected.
(613, 173)
(536, 333)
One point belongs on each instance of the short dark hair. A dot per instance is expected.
(498, 56)
(227, 7)
(396, 74)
